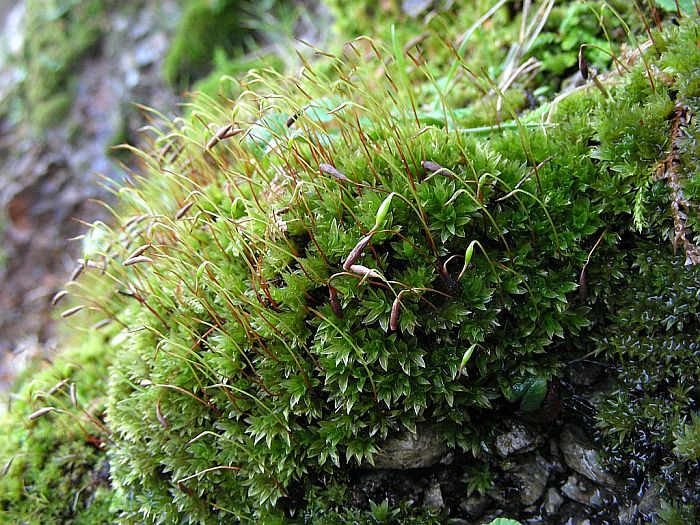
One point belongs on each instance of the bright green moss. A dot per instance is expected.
(255, 368)
(207, 28)
(55, 468)
(59, 33)
(255, 362)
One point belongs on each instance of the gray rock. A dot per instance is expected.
(552, 502)
(517, 440)
(423, 449)
(582, 457)
(474, 505)
(627, 514)
(583, 491)
(533, 477)
(644, 507)
(650, 500)
(433, 497)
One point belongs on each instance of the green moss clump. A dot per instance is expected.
(55, 468)
(209, 27)
(341, 256)
(59, 33)
(352, 266)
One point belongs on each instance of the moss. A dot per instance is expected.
(360, 261)
(55, 466)
(207, 26)
(259, 361)
(59, 34)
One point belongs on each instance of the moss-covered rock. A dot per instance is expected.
(344, 267)
(59, 34)
(342, 256)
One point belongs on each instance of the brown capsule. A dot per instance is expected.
(582, 64)
(291, 120)
(434, 167)
(139, 251)
(224, 132)
(101, 324)
(161, 419)
(181, 212)
(134, 220)
(76, 273)
(87, 263)
(38, 413)
(57, 298)
(335, 303)
(364, 271)
(357, 251)
(582, 286)
(220, 133)
(137, 260)
(73, 395)
(7, 466)
(57, 387)
(72, 311)
(332, 171)
(185, 489)
(394, 316)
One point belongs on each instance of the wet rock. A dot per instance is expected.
(532, 477)
(423, 449)
(643, 508)
(627, 514)
(650, 500)
(552, 502)
(474, 505)
(581, 456)
(583, 491)
(518, 440)
(433, 497)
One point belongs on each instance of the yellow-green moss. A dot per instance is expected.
(54, 466)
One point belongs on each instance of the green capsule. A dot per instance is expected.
(382, 212)
(468, 254)
(465, 358)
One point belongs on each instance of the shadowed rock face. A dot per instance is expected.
(48, 176)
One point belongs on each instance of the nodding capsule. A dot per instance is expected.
(57, 387)
(161, 419)
(101, 324)
(57, 298)
(72, 311)
(137, 260)
(139, 251)
(364, 271)
(76, 273)
(394, 317)
(335, 303)
(435, 168)
(582, 64)
(333, 172)
(38, 413)
(357, 251)
(181, 212)
(291, 120)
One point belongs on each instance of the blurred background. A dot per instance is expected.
(74, 78)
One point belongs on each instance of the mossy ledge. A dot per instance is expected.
(321, 264)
